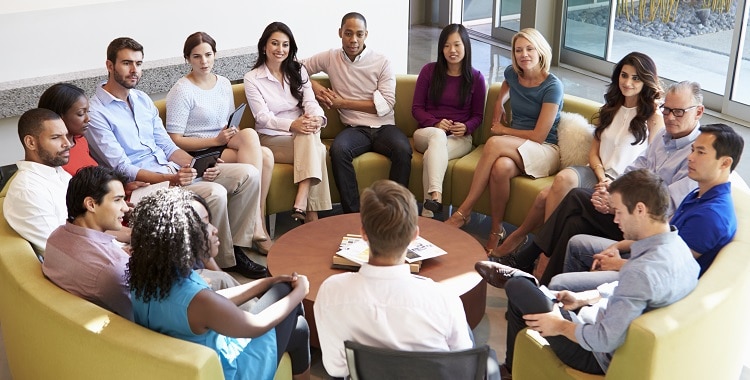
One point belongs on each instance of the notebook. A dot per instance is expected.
(236, 116)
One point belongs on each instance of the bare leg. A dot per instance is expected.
(504, 169)
(533, 219)
(436, 196)
(565, 180)
(496, 147)
(300, 201)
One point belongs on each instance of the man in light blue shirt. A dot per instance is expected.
(126, 133)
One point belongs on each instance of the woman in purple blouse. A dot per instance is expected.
(448, 105)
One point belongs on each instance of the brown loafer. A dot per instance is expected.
(498, 274)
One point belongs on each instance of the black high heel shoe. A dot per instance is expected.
(433, 206)
(299, 215)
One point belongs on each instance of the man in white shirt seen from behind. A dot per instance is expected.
(383, 304)
(35, 203)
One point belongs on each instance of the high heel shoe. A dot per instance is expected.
(500, 235)
(465, 219)
(493, 257)
(433, 205)
(299, 215)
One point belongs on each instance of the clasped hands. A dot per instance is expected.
(294, 279)
(452, 127)
(608, 259)
(306, 124)
(328, 98)
(601, 197)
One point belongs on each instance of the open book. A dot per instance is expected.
(357, 250)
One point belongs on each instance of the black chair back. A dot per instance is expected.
(6, 172)
(366, 362)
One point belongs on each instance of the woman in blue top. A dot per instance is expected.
(529, 144)
(171, 232)
(448, 105)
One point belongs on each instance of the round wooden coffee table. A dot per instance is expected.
(309, 249)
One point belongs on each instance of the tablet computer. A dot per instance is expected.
(236, 116)
(204, 161)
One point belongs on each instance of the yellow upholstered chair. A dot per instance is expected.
(52, 334)
(703, 336)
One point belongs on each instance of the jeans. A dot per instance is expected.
(354, 141)
(578, 261)
(292, 333)
(575, 215)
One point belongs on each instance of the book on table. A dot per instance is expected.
(354, 251)
(340, 262)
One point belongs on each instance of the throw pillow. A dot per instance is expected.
(574, 135)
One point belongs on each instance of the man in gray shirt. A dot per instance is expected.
(661, 271)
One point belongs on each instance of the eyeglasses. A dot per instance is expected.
(677, 112)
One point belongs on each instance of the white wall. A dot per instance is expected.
(58, 40)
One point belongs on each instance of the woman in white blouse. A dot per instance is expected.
(289, 119)
(198, 109)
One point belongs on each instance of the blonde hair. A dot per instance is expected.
(389, 217)
(540, 44)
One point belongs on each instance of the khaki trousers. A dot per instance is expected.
(438, 148)
(308, 155)
(233, 200)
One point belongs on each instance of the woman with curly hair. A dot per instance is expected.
(289, 119)
(626, 124)
(169, 238)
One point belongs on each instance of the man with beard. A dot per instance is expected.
(127, 134)
(35, 203)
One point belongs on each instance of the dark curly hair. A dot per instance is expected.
(290, 66)
(168, 238)
(645, 68)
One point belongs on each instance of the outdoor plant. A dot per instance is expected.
(665, 10)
